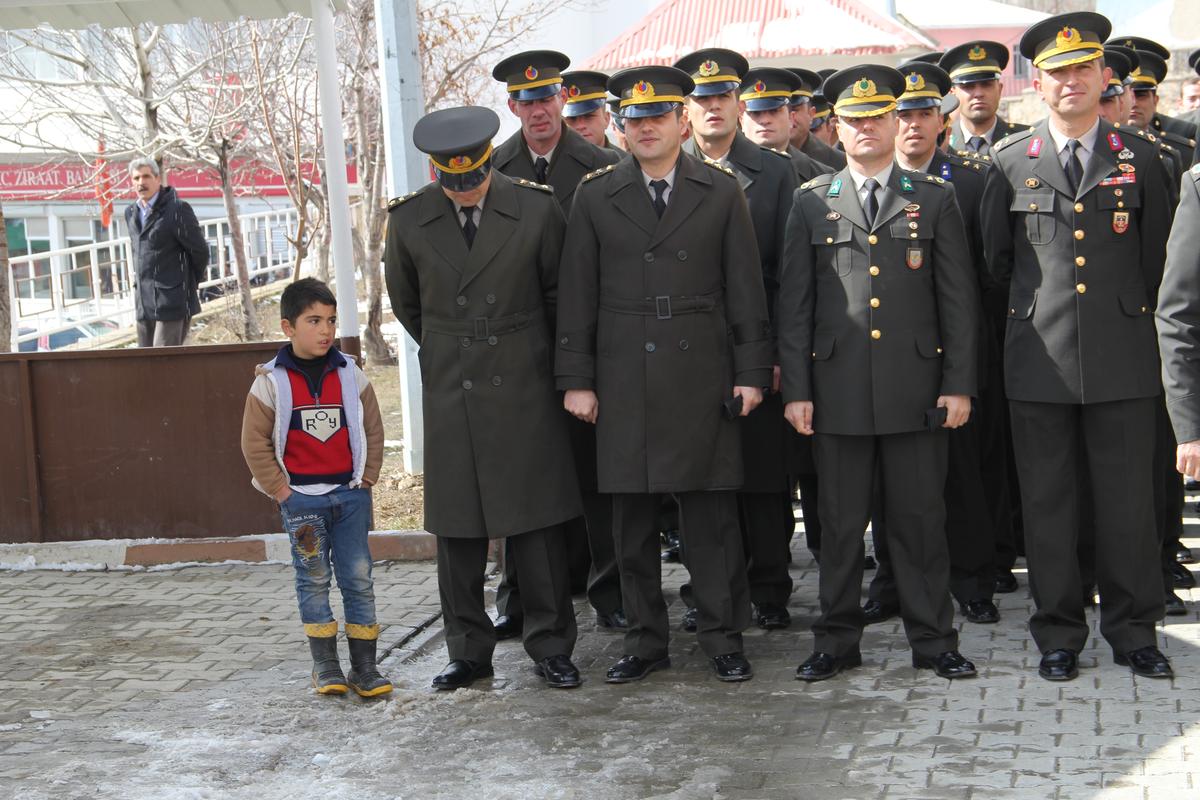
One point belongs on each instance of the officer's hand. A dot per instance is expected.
(582, 404)
(799, 415)
(1187, 459)
(958, 409)
(751, 398)
(775, 380)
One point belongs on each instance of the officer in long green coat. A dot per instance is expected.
(472, 271)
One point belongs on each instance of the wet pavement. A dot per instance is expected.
(193, 683)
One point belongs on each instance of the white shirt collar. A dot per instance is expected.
(533, 157)
(669, 178)
(1087, 141)
(882, 177)
(987, 135)
(459, 209)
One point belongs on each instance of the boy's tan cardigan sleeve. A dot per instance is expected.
(258, 445)
(372, 422)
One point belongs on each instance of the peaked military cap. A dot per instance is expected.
(1150, 71)
(459, 144)
(821, 110)
(533, 74)
(932, 57)
(971, 62)
(767, 88)
(714, 70)
(810, 82)
(924, 86)
(614, 108)
(1066, 39)
(949, 104)
(824, 73)
(867, 90)
(1194, 60)
(1121, 61)
(1142, 45)
(586, 92)
(650, 91)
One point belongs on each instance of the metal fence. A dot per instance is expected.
(89, 288)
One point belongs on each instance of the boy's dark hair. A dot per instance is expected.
(300, 295)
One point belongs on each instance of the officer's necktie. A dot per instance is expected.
(539, 169)
(871, 202)
(468, 227)
(660, 200)
(1074, 165)
(976, 143)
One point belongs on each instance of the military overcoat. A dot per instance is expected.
(662, 318)
(573, 158)
(497, 458)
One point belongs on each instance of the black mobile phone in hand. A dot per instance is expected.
(732, 408)
(935, 418)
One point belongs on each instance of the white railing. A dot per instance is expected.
(89, 288)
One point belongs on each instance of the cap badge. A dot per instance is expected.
(915, 82)
(1067, 37)
(759, 86)
(573, 91)
(709, 68)
(458, 162)
(864, 88)
(977, 53)
(531, 73)
(642, 89)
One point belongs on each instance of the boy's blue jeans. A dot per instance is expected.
(328, 534)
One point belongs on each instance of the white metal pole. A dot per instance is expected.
(403, 104)
(335, 173)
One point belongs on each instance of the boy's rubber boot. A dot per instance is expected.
(327, 677)
(365, 678)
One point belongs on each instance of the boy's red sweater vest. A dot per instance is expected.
(318, 442)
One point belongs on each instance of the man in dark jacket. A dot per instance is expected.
(168, 253)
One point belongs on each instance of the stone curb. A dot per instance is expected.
(112, 554)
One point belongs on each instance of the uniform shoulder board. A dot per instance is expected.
(1012, 138)
(535, 185)
(820, 180)
(1196, 171)
(775, 152)
(1175, 138)
(934, 179)
(599, 172)
(720, 167)
(395, 202)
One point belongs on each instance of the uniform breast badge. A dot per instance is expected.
(1120, 221)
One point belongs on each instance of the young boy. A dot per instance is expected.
(313, 439)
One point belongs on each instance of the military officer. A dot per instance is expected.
(618, 125)
(768, 179)
(663, 344)
(971, 501)
(1145, 77)
(823, 125)
(800, 112)
(548, 152)
(472, 271)
(878, 317)
(975, 68)
(1074, 216)
(814, 147)
(586, 110)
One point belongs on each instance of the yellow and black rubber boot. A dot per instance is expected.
(327, 677)
(365, 678)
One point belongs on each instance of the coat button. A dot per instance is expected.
(467, 385)
(1120, 204)
(1078, 234)
(492, 340)
(681, 255)
(461, 300)
(828, 240)
(683, 344)
(647, 257)
(872, 239)
(1081, 287)
(1033, 206)
(496, 381)
(466, 341)
(1012, 312)
(1079, 208)
(912, 235)
(1080, 261)
(912, 226)
(649, 347)
(876, 334)
(1118, 193)
(874, 302)
(491, 299)
(563, 340)
(874, 271)
(939, 349)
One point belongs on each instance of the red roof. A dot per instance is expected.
(758, 29)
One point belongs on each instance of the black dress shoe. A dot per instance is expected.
(771, 618)
(1149, 662)
(507, 627)
(559, 672)
(1184, 555)
(1059, 665)
(634, 668)
(983, 612)
(1006, 582)
(689, 620)
(732, 667)
(670, 547)
(876, 612)
(1181, 576)
(460, 673)
(1175, 605)
(869, 562)
(949, 664)
(821, 666)
(614, 620)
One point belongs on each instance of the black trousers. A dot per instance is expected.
(711, 551)
(912, 470)
(1116, 441)
(542, 567)
(969, 531)
(810, 510)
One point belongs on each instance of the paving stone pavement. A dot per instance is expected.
(193, 683)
